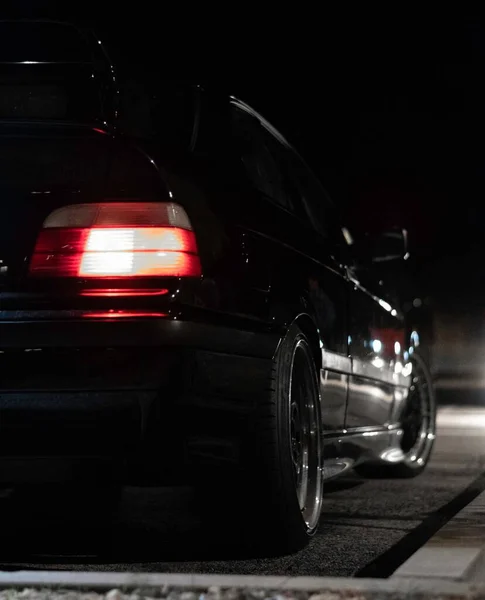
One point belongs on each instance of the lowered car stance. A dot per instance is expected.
(189, 307)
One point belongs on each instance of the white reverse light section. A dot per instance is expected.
(119, 214)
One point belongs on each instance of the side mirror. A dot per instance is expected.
(390, 246)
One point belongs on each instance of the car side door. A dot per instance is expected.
(377, 348)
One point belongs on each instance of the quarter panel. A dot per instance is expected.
(303, 285)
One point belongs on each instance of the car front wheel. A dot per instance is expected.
(418, 425)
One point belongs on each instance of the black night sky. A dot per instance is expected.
(387, 108)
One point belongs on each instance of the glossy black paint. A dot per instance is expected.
(201, 352)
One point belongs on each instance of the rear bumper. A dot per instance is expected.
(127, 332)
(133, 400)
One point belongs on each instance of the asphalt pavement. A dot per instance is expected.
(369, 526)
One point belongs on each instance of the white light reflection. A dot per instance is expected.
(376, 346)
(397, 348)
(347, 235)
(393, 455)
(407, 369)
(385, 305)
(378, 362)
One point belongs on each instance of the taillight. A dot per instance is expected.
(119, 239)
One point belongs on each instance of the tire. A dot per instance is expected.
(418, 423)
(285, 463)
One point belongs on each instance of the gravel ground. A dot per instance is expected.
(179, 594)
(164, 593)
(216, 593)
(366, 524)
(212, 593)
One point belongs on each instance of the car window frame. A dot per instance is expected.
(335, 233)
(291, 207)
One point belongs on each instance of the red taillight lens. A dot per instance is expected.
(116, 240)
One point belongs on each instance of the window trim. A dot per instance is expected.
(282, 140)
(246, 108)
(267, 128)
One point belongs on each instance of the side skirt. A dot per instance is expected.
(365, 445)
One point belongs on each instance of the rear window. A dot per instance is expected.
(46, 73)
(56, 92)
(33, 101)
(42, 42)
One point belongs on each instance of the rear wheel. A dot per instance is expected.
(418, 422)
(286, 456)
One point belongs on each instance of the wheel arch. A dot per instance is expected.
(309, 328)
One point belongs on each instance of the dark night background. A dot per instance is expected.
(388, 108)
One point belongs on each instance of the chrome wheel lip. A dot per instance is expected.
(419, 451)
(304, 400)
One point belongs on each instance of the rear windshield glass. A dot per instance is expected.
(46, 73)
(42, 42)
(33, 101)
(56, 92)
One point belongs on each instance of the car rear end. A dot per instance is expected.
(96, 261)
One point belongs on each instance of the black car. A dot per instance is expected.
(188, 306)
